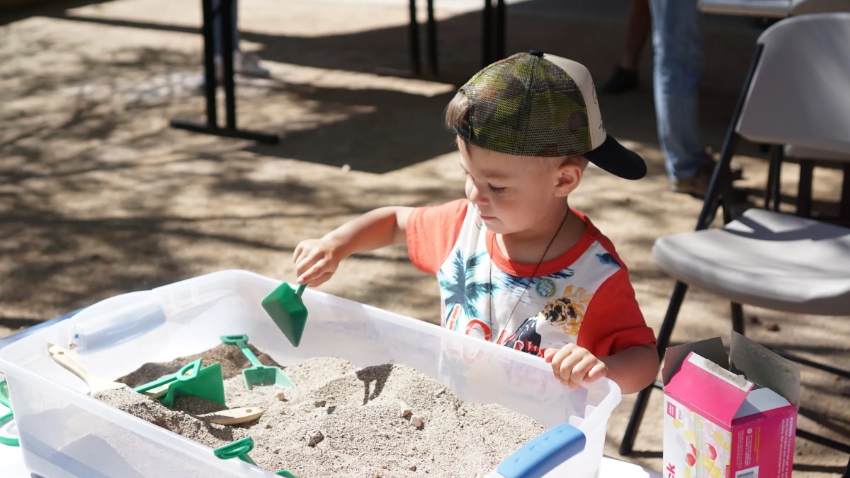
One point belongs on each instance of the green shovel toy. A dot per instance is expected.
(239, 449)
(191, 380)
(285, 307)
(258, 374)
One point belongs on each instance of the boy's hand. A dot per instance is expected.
(316, 260)
(573, 364)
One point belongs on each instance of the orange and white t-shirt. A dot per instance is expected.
(583, 297)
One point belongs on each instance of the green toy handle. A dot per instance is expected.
(194, 367)
(237, 449)
(4, 395)
(298, 292)
(241, 341)
(8, 416)
(286, 474)
(233, 339)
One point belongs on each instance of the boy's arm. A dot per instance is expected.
(633, 368)
(316, 260)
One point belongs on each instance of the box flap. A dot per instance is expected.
(706, 388)
(712, 349)
(761, 401)
(765, 368)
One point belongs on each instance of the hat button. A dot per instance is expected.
(537, 53)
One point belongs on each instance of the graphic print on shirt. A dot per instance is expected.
(461, 289)
(563, 315)
(526, 314)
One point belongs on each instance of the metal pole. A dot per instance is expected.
(712, 199)
(413, 39)
(500, 30)
(432, 39)
(227, 57)
(209, 61)
(487, 34)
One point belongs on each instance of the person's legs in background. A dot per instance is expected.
(638, 26)
(247, 64)
(677, 43)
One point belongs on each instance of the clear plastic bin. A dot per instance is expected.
(66, 433)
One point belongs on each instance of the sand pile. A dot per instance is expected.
(387, 420)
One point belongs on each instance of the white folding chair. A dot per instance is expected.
(796, 92)
(772, 8)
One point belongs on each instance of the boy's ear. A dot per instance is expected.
(568, 177)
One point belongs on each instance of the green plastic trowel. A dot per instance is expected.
(257, 374)
(285, 307)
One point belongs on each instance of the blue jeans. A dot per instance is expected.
(679, 63)
(217, 34)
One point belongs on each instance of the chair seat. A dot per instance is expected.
(767, 259)
(755, 8)
(801, 152)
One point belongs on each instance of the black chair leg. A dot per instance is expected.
(738, 318)
(845, 193)
(664, 334)
(776, 184)
(413, 40)
(432, 39)
(804, 189)
(709, 209)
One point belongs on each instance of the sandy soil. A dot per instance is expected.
(98, 196)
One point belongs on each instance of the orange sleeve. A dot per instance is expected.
(613, 320)
(432, 233)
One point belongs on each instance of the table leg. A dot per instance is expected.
(209, 62)
(413, 39)
(487, 34)
(432, 38)
(500, 31)
(227, 59)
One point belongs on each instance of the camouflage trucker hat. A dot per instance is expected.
(536, 104)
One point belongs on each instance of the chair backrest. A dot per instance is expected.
(806, 7)
(800, 92)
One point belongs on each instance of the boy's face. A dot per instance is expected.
(515, 194)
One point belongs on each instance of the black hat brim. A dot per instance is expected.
(617, 159)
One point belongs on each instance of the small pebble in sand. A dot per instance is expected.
(418, 422)
(280, 396)
(439, 392)
(320, 403)
(404, 410)
(413, 468)
(316, 439)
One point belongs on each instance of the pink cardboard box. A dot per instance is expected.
(729, 416)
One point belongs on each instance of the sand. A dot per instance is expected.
(340, 421)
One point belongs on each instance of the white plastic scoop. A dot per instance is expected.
(70, 363)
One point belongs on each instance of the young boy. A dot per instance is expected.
(515, 264)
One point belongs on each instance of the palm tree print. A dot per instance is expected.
(460, 286)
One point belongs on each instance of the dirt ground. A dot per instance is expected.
(99, 196)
